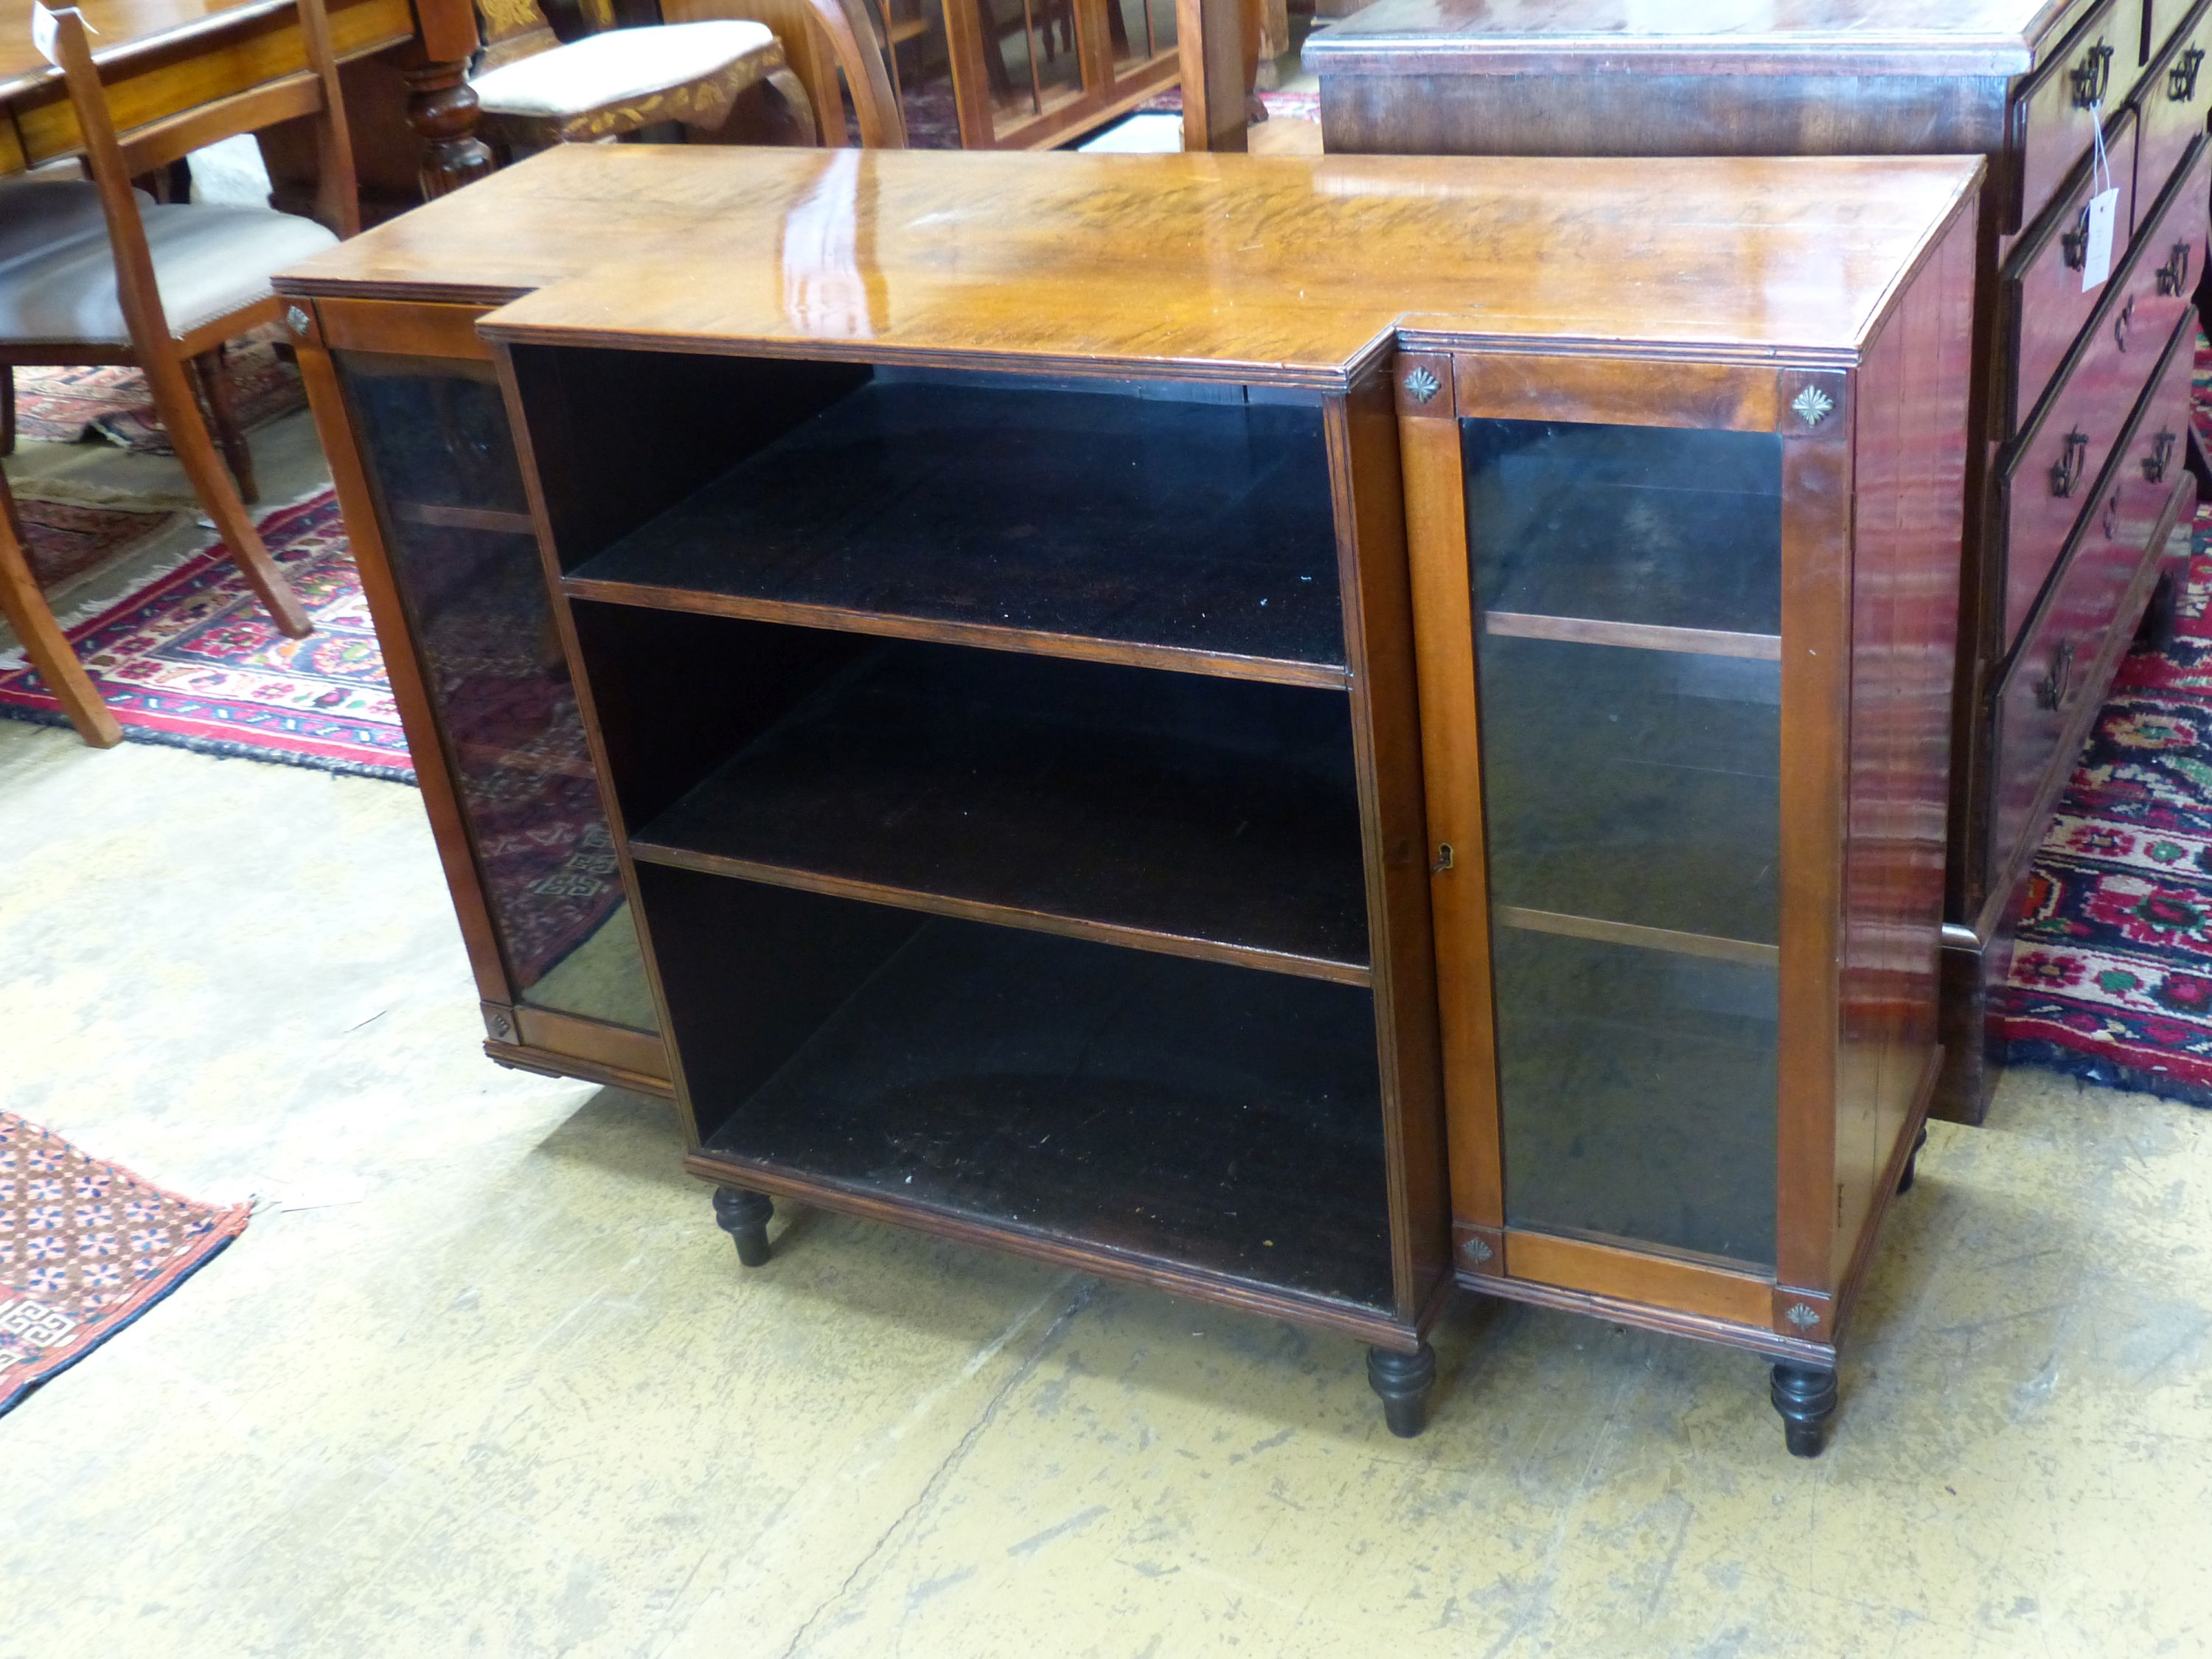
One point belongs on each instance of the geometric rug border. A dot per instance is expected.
(223, 748)
(162, 1289)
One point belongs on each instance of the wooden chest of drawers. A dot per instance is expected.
(2068, 376)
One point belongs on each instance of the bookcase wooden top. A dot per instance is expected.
(1293, 271)
(1700, 37)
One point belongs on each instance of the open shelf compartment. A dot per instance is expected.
(1182, 525)
(1192, 815)
(1190, 1116)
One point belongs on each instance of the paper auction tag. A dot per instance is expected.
(2104, 210)
(2097, 258)
(43, 31)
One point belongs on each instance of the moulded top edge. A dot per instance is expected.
(1903, 38)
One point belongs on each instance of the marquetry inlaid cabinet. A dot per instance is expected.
(1188, 717)
(2082, 336)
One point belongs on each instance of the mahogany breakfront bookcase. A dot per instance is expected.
(1300, 731)
(2081, 405)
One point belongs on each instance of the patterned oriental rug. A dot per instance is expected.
(85, 1249)
(61, 540)
(2112, 969)
(62, 406)
(190, 660)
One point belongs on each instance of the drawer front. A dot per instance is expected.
(2177, 93)
(2042, 477)
(2055, 114)
(2043, 278)
(2160, 19)
(2062, 659)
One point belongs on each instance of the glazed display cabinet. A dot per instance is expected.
(410, 414)
(2091, 247)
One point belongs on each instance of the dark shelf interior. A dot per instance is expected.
(1635, 787)
(1182, 1112)
(992, 503)
(1638, 1094)
(1666, 526)
(1194, 812)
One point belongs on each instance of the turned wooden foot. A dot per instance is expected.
(744, 1215)
(1403, 1379)
(1806, 1400)
(441, 108)
(1912, 1162)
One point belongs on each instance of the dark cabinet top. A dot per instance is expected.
(1995, 37)
(1288, 271)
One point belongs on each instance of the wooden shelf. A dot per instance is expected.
(1189, 535)
(1195, 1115)
(1199, 817)
(1638, 636)
(465, 517)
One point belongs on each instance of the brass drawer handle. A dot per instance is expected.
(2181, 79)
(2066, 471)
(2051, 690)
(2160, 457)
(2173, 275)
(2124, 322)
(2073, 245)
(2092, 76)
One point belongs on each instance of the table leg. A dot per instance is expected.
(442, 110)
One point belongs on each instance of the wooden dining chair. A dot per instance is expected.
(162, 286)
(23, 603)
(784, 35)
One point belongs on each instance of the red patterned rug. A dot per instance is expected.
(2112, 972)
(85, 1249)
(192, 660)
(61, 540)
(62, 406)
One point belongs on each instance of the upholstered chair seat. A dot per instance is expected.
(615, 82)
(209, 262)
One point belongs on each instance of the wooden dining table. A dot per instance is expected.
(404, 65)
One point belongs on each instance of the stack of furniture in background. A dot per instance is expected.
(2080, 415)
(1003, 683)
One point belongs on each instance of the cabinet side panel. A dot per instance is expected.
(1363, 437)
(1911, 504)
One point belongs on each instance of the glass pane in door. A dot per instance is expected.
(1627, 602)
(456, 531)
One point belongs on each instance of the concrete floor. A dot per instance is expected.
(482, 1377)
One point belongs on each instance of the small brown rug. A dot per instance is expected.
(61, 540)
(85, 1249)
(63, 405)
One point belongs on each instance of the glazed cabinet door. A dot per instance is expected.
(1600, 584)
(451, 566)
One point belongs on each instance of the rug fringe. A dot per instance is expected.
(2107, 1073)
(224, 748)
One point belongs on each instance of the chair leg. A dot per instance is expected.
(27, 612)
(212, 482)
(7, 410)
(223, 411)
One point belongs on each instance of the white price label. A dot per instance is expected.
(2097, 254)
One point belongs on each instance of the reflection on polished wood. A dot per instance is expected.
(1286, 269)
